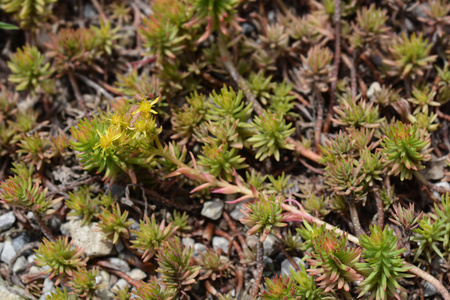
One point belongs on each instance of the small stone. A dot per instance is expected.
(117, 190)
(286, 265)
(188, 242)
(270, 245)
(105, 294)
(428, 289)
(90, 238)
(137, 274)
(7, 295)
(21, 240)
(119, 246)
(219, 242)
(49, 286)
(35, 270)
(120, 264)
(89, 11)
(374, 88)
(199, 248)
(7, 221)
(251, 240)
(443, 184)
(121, 283)
(8, 252)
(213, 209)
(31, 258)
(1, 247)
(20, 264)
(236, 214)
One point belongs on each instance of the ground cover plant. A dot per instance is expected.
(224, 149)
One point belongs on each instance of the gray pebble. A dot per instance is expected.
(219, 242)
(213, 209)
(8, 252)
(7, 221)
(120, 264)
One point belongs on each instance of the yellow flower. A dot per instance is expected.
(146, 107)
(107, 140)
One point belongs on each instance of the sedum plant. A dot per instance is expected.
(82, 204)
(316, 70)
(272, 132)
(352, 112)
(154, 289)
(28, 69)
(83, 283)
(410, 56)
(405, 147)
(263, 215)
(382, 266)
(113, 223)
(61, 256)
(151, 235)
(333, 262)
(175, 265)
(428, 236)
(30, 13)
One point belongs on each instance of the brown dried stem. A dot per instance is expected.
(380, 206)
(259, 268)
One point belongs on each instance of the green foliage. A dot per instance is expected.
(316, 69)
(279, 288)
(175, 265)
(306, 286)
(405, 147)
(83, 283)
(36, 149)
(82, 204)
(355, 113)
(221, 161)
(113, 223)
(21, 192)
(60, 294)
(444, 216)
(151, 235)
(61, 256)
(370, 25)
(263, 215)
(292, 242)
(28, 69)
(105, 37)
(346, 178)
(272, 132)
(428, 236)
(180, 221)
(215, 13)
(333, 262)
(30, 13)
(214, 266)
(410, 56)
(154, 289)
(423, 99)
(382, 266)
(7, 26)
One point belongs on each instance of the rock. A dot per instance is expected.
(236, 214)
(21, 240)
(7, 295)
(428, 289)
(286, 265)
(117, 190)
(105, 294)
(49, 286)
(199, 248)
(20, 264)
(7, 221)
(137, 274)
(121, 283)
(119, 246)
(374, 88)
(188, 242)
(251, 240)
(436, 169)
(213, 209)
(89, 237)
(443, 184)
(8, 252)
(270, 245)
(120, 264)
(1, 247)
(219, 242)
(89, 11)
(31, 258)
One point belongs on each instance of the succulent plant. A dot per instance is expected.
(82, 204)
(214, 266)
(405, 147)
(382, 265)
(175, 265)
(263, 215)
(370, 26)
(154, 289)
(279, 287)
(61, 256)
(410, 56)
(113, 223)
(355, 113)
(428, 236)
(28, 69)
(272, 132)
(83, 283)
(316, 70)
(151, 236)
(423, 99)
(334, 263)
(30, 13)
